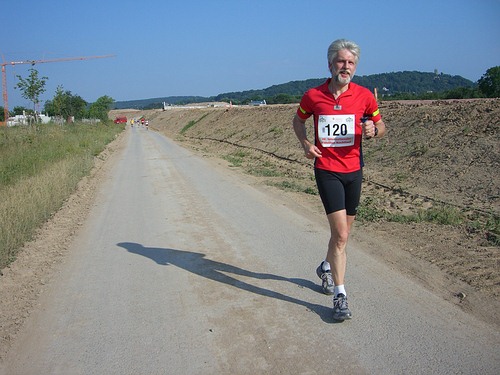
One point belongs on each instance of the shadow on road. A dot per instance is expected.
(197, 263)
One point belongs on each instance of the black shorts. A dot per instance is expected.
(339, 191)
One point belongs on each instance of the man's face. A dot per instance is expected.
(343, 67)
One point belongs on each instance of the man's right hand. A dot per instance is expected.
(311, 150)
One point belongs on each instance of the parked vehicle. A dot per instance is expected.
(120, 120)
(257, 102)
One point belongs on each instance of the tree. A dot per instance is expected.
(65, 105)
(489, 83)
(101, 107)
(18, 110)
(58, 102)
(78, 106)
(32, 87)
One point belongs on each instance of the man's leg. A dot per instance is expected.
(340, 227)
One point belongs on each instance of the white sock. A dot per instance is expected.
(339, 289)
(326, 266)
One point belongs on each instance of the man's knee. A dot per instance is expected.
(339, 240)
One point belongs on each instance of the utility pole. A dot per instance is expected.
(33, 62)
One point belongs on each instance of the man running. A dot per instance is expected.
(343, 113)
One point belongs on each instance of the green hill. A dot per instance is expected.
(412, 82)
(387, 84)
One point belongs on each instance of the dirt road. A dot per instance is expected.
(184, 267)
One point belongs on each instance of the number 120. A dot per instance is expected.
(336, 129)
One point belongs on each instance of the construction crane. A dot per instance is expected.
(33, 62)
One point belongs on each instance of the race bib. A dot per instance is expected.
(336, 130)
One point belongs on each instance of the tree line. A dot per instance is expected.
(63, 106)
(390, 86)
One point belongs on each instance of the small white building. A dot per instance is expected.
(25, 119)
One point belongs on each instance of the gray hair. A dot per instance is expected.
(341, 44)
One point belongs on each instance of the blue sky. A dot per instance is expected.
(188, 47)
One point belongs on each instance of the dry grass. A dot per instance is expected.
(33, 200)
(38, 171)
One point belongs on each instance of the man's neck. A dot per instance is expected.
(336, 88)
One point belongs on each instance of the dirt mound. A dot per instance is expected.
(448, 151)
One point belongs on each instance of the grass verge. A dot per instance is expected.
(39, 169)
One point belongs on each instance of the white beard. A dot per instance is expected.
(343, 81)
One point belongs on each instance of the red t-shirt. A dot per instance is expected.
(337, 124)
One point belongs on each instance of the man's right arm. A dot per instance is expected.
(310, 150)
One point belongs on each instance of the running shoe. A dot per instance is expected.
(326, 279)
(340, 309)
